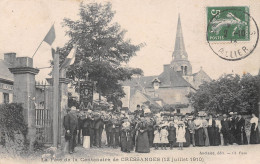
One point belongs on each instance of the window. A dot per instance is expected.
(6, 98)
(185, 70)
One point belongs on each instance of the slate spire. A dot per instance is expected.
(179, 49)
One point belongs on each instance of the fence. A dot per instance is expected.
(43, 126)
(43, 113)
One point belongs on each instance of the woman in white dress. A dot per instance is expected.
(164, 136)
(180, 134)
(156, 139)
(254, 135)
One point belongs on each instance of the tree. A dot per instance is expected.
(154, 108)
(228, 93)
(249, 94)
(101, 50)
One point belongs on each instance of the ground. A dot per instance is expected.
(248, 154)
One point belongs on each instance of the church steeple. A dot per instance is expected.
(180, 62)
(179, 49)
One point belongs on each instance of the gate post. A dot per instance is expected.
(63, 105)
(24, 92)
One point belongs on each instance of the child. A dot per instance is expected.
(172, 135)
(156, 139)
(180, 134)
(164, 136)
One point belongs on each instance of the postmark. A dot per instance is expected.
(232, 33)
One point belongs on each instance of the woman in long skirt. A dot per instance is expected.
(240, 130)
(217, 131)
(254, 135)
(172, 135)
(205, 128)
(187, 134)
(142, 141)
(211, 130)
(199, 132)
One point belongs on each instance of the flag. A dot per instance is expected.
(70, 58)
(50, 37)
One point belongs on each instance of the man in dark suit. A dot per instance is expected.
(240, 130)
(116, 130)
(70, 124)
(225, 123)
(99, 126)
(233, 128)
(108, 128)
(139, 112)
(91, 130)
(88, 127)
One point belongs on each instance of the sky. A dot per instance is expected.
(24, 24)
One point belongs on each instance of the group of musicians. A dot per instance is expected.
(136, 130)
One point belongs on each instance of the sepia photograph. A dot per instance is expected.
(129, 81)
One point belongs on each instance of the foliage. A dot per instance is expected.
(13, 128)
(172, 107)
(250, 93)
(152, 107)
(228, 93)
(101, 50)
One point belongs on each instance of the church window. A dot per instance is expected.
(185, 70)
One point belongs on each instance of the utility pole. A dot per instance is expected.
(55, 119)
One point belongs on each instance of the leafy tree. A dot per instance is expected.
(250, 93)
(228, 93)
(173, 107)
(152, 107)
(101, 49)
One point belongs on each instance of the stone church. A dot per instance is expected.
(171, 86)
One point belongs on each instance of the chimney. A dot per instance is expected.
(166, 67)
(10, 58)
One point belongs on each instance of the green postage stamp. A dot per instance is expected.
(228, 23)
(232, 33)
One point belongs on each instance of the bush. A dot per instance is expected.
(13, 128)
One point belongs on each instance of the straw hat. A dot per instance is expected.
(231, 113)
(180, 123)
(147, 110)
(73, 108)
(163, 125)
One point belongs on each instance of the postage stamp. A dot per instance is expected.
(228, 23)
(232, 33)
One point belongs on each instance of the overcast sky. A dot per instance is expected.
(25, 23)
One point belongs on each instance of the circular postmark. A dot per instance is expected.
(232, 33)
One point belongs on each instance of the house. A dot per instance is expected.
(6, 78)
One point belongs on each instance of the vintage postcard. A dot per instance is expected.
(129, 81)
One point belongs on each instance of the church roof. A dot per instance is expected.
(170, 78)
(140, 82)
(201, 71)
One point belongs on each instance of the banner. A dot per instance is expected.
(86, 92)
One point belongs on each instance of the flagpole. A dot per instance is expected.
(37, 48)
(40, 43)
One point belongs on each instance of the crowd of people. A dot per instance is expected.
(141, 130)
